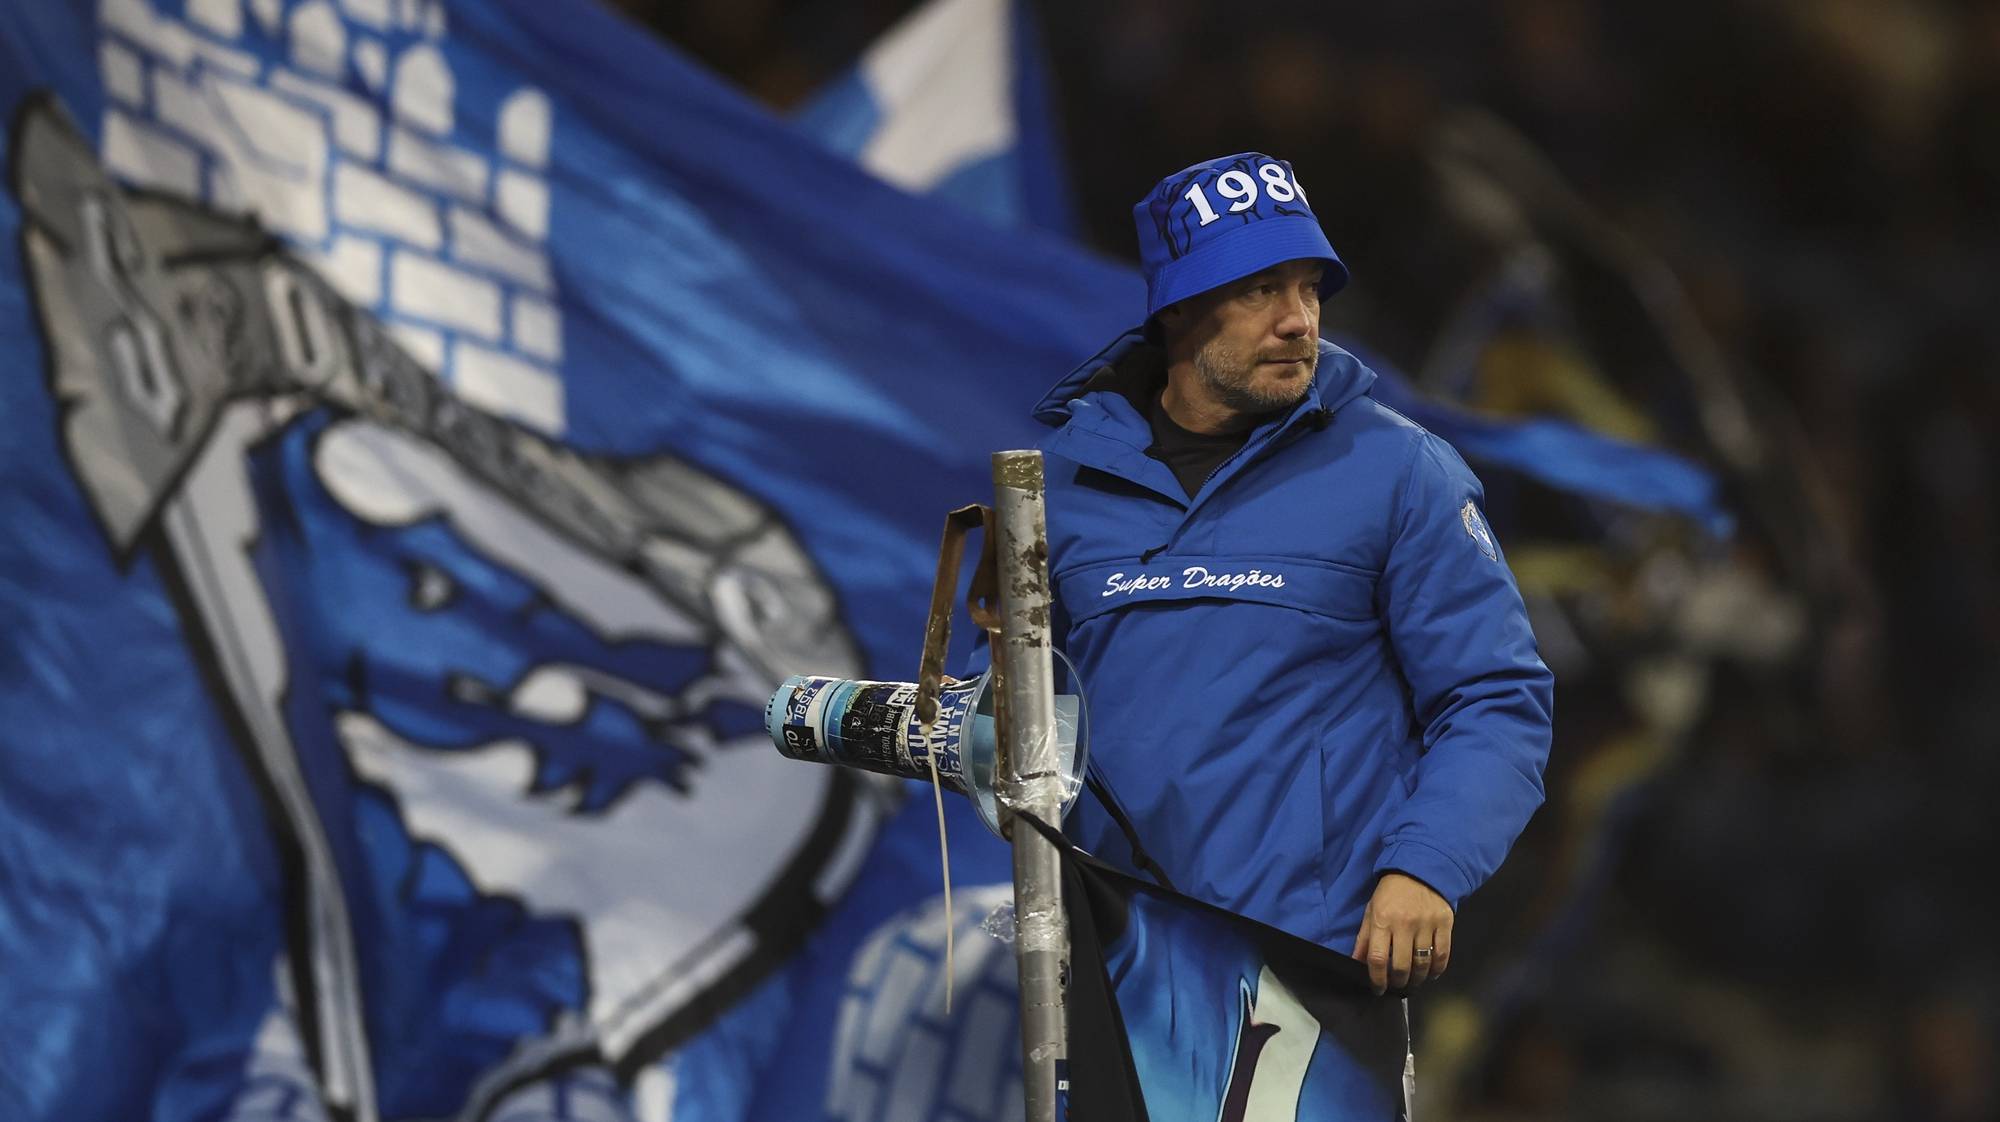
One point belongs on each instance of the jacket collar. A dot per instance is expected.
(1131, 367)
(1099, 412)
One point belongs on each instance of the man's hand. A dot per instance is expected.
(1404, 916)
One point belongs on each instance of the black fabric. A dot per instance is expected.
(1193, 456)
(1103, 1082)
(1138, 375)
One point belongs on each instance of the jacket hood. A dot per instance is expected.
(1130, 363)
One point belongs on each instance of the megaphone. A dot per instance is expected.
(873, 726)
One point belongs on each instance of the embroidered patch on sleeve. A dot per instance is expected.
(1475, 528)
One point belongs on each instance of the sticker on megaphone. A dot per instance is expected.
(873, 726)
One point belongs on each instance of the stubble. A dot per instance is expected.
(1229, 377)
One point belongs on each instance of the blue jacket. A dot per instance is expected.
(1315, 670)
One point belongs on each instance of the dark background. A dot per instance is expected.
(1759, 888)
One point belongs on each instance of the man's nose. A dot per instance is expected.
(1298, 318)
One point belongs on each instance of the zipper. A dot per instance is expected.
(1318, 415)
(1211, 473)
(1147, 557)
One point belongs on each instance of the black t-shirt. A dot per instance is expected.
(1192, 456)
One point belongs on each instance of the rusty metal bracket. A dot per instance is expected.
(982, 600)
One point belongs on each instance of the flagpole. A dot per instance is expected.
(1031, 771)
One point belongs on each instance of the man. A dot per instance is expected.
(1314, 687)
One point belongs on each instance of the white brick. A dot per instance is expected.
(434, 20)
(439, 166)
(423, 90)
(183, 107)
(319, 39)
(270, 14)
(362, 198)
(537, 328)
(410, 14)
(276, 153)
(124, 75)
(374, 13)
(354, 267)
(357, 125)
(918, 1069)
(146, 155)
(506, 385)
(170, 39)
(222, 17)
(428, 289)
(523, 201)
(176, 103)
(894, 1002)
(371, 60)
(282, 132)
(481, 244)
(163, 38)
(525, 126)
(424, 344)
(240, 63)
(986, 1033)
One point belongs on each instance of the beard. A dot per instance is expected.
(1226, 373)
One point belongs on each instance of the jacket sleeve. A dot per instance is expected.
(1478, 688)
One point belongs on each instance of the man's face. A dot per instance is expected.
(1254, 343)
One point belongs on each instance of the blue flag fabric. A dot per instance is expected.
(1564, 456)
(953, 102)
(431, 433)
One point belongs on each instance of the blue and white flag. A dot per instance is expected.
(953, 102)
(431, 433)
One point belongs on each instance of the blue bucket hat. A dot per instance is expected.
(1223, 220)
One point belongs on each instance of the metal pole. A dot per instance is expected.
(1030, 775)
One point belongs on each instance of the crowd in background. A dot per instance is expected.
(1755, 891)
